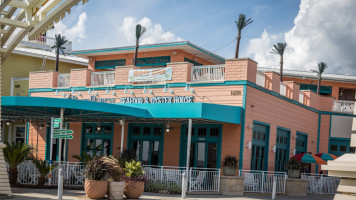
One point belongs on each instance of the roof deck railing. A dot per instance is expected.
(260, 79)
(283, 89)
(208, 73)
(301, 97)
(63, 80)
(103, 78)
(343, 106)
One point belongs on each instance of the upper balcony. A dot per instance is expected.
(100, 79)
(343, 106)
(208, 73)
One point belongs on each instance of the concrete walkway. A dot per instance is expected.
(42, 194)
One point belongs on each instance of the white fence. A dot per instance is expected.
(321, 184)
(260, 79)
(262, 181)
(63, 80)
(103, 79)
(73, 174)
(208, 73)
(343, 106)
(283, 89)
(199, 179)
(301, 97)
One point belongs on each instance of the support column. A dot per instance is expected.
(122, 122)
(190, 125)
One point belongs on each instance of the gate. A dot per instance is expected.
(262, 181)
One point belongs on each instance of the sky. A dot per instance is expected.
(314, 30)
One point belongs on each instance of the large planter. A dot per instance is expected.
(116, 190)
(229, 170)
(293, 173)
(134, 189)
(95, 189)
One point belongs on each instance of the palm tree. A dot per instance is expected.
(241, 23)
(140, 30)
(279, 49)
(43, 168)
(15, 153)
(321, 69)
(60, 41)
(84, 158)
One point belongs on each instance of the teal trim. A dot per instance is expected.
(262, 123)
(193, 62)
(341, 139)
(207, 52)
(208, 139)
(67, 141)
(285, 129)
(243, 115)
(301, 133)
(82, 139)
(317, 144)
(259, 142)
(323, 89)
(338, 143)
(329, 133)
(303, 138)
(109, 64)
(27, 132)
(153, 61)
(48, 142)
(97, 136)
(283, 146)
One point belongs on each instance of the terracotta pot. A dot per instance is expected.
(116, 190)
(95, 189)
(293, 173)
(229, 170)
(134, 189)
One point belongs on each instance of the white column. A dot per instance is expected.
(190, 124)
(122, 122)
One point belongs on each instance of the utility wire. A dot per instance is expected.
(226, 45)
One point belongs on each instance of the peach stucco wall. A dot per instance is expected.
(37, 138)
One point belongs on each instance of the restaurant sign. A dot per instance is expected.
(155, 74)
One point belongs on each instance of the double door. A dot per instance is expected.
(301, 143)
(282, 149)
(97, 139)
(259, 149)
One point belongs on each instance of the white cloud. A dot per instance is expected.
(323, 31)
(154, 32)
(75, 33)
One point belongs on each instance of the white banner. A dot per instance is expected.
(155, 74)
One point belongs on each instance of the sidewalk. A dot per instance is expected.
(42, 194)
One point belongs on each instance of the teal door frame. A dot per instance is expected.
(141, 137)
(301, 137)
(95, 136)
(208, 139)
(282, 148)
(258, 143)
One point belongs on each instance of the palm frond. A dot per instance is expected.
(140, 30)
(279, 48)
(321, 69)
(242, 22)
(60, 41)
(16, 153)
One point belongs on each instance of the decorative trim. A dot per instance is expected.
(242, 132)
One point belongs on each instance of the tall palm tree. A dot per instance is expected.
(321, 69)
(60, 41)
(140, 30)
(241, 23)
(279, 49)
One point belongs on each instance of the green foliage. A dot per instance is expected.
(242, 22)
(114, 169)
(140, 30)
(293, 164)
(321, 69)
(59, 43)
(84, 158)
(174, 189)
(230, 161)
(43, 167)
(279, 48)
(154, 187)
(126, 156)
(16, 153)
(133, 169)
(97, 169)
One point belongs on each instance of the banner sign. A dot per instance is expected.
(156, 74)
(167, 99)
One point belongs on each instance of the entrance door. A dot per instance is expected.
(282, 149)
(301, 143)
(205, 147)
(259, 153)
(97, 139)
(146, 140)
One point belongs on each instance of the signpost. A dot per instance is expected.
(59, 136)
(62, 131)
(56, 122)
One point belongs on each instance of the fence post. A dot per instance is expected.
(263, 181)
(161, 174)
(184, 185)
(274, 187)
(60, 183)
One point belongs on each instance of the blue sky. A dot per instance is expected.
(210, 24)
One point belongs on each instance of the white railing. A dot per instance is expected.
(204, 179)
(344, 106)
(208, 73)
(63, 80)
(167, 175)
(283, 89)
(321, 184)
(103, 79)
(301, 97)
(262, 181)
(260, 79)
(73, 174)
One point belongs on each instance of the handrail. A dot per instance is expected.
(103, 78)
(208, 73)
(63, 80)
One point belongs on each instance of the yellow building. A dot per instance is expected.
(31, 56)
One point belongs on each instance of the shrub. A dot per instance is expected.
(43, 168)
(83, 158)
(134, 171)
(230, 161)
(97, 169)
(114, 169)
(126, 156)
(174, 189)
(154, 187)
(293, 164)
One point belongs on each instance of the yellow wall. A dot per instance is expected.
(19, 66)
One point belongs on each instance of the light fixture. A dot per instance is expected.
(144, 90)
(274, 149)
(250, 126)
(192, 90)
(165, 89)
(113, 93)
(186, 87)
(89, 91)
(249, 145)
(121, 122)
(171, 91)
(79, 94)
(168, 128)
(294, 151)
(151, 92)
(63, 94)
(107, 91)
(73, 91)
(98, 128)
(132, 92)
(96, 93)
(125, 90)
(8, 123)
(56, 92)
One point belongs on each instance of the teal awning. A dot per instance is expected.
(25, 108)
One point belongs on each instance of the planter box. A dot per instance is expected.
(296, 187)
(232, 185)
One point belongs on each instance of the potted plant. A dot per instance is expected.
(293, 167)
(135, 181)
(116, 184)
(230, 165)
(43, 168)
(96, 181)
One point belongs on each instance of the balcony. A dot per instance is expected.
(63, 80)
(344, 106)
(102, 79)
(283, 89)
(208, 73)
(260, 79)
(44, 43)
(301, 97)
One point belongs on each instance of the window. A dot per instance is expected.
(153, 61)
(343, 148)
(214, 132)
(97, 139)
(202, 131)
(333, 148)
(323, 89)
(109, 64)
(20, 133)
